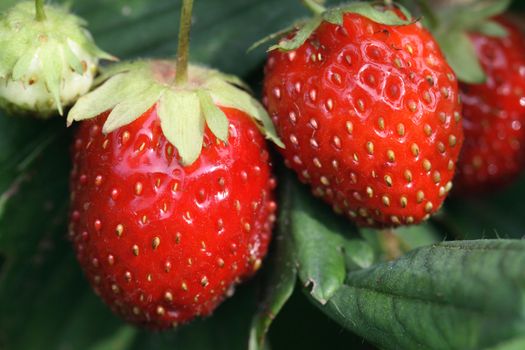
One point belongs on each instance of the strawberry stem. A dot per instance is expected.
(315, 6)
(181, 71)
(40, 13)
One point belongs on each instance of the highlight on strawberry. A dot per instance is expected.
(47, 61)
(368, 110)
(172, 190)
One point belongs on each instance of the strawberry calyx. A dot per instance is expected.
(129, 89)
(451, 25)
(45, 45)
(380, 13)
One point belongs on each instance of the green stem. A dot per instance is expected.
(315, 6)
(40, 13)
(181, 72)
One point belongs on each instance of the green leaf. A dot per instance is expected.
(318, 241)
(462, 57)
(451, 295)
(182, 123)
(215, 117)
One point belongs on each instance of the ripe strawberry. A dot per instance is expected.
(162, 229)
(494, 114)
(369, 114)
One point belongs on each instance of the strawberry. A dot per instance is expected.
(161, 242)
(172, 193)
(48, 59)
(368, 111)
(494, 114)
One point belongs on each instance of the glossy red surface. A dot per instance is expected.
(370, 117)
(494, 115)
(162, 243)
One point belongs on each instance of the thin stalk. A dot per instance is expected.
(40, 13)
(181, 73)
(315, 6)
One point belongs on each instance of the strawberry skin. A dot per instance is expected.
(370, 118)
(494, 114)
(159, 242)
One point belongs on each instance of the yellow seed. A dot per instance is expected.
(160, 310)
(436, 177)
(428, 207)
(420, 196)
(168, 296)
(155, 243)
(408, 175)
(415, 149)
(427, 129)
(452, 140)
(381, 123)
(386, 201)
(391, 155)
(349, 127)
(135, 249)
(119, 229)
(369, 191)
(388, 180)
(204, 281)
(427, 165)
(370, 147)
(138, 188)
(403, 201)
(400, 129)
(395, 219)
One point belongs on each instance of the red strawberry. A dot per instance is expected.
(160, 238)
(494, 114)
(369, 114)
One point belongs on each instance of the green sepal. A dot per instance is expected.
(182, 123)
(214, 116)
(276, 35)
(129, 89)
(490, 28)
(335, 15)
(367, 10)
(451, 26)
(226, 95)
(461, 55)
(52, 69)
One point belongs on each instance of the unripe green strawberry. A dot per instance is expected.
(48, 59)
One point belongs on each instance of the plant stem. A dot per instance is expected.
(40, 13)
(315, 6)
(181, 72)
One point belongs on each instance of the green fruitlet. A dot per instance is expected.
(48, 59)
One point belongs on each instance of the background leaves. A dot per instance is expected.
(46, 304)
